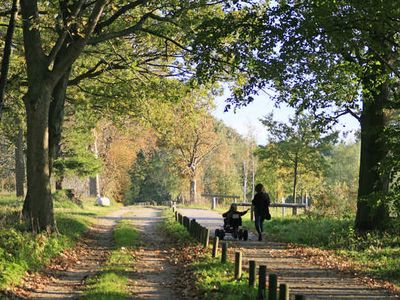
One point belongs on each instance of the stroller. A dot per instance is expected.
(232, 225)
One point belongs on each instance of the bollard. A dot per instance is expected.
(272, 287)
(252, 273)
(206, 237)
(224, 253)
(238, 265)
(176, 216)
(299, 297)
(283, 291)
(262, 274)
(215, 247)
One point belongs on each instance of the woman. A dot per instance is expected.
(261, 208)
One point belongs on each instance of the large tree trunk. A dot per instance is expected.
(38, 205)
(371, 210)
(19, 163)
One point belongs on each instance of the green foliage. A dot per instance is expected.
(75, 156)
(154, 177)
(296, 153)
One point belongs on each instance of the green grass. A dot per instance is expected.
(174, 230)
(112, 282)
(377, 254)
(21, 251)
(213, 279)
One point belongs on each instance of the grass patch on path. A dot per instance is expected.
(375, 253)
(211, 278)
(112, 282)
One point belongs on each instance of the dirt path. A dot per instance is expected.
(293, 268)
(65, 277)
(154, 277)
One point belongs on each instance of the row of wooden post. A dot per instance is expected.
(199, 232)
(202, 234)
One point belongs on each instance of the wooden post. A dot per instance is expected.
(238, 265)
(176, 216)
(252, 213)
(272, 287)
(215, 247)
(299, 297)
(283, 291)
(262, 274)
(224, 253)
(192, 226)
(252, 273)
(294, 211)
(206, 237)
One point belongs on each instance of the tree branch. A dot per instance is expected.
(125, 32)
(119, 13)
(75, 49)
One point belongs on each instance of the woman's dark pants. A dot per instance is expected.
(259, 220)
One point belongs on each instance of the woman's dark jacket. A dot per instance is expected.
(261, 203)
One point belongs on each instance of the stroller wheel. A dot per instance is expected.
(245, 235)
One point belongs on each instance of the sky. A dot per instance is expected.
(246, 119)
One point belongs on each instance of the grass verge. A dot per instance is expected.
(112, 282)
(21, 251)
(211, 278)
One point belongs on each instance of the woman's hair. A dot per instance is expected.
(259, 188)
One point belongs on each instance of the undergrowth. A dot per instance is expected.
(21, 250)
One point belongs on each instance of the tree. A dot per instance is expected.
(333, 58)
(154, 177)
(77, 25)
(298, 146)
(191, 139)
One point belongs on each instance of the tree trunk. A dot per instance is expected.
(371, 210)
(244, 181)
(94, 182)
(296, 163)
(193, 192)
(94, 186)
(56, 118)
(38, 205)
(7, 53)
(19, 163)
(59, 183)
